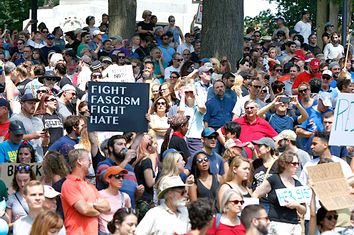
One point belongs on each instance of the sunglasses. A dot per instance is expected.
(212, 137)
(161, 103)
(294, 163)
(50, 79)
(23, 168)
(303, 90)
(173, 77)
(201, 160)
(326, 78)
(53, 99)
(236, 202)
(247, 108)
(117, 176)
(42, 91)
(121, 57)
(257, 87)
(96, 76)
(330, 217)
(180, 60)
(278, 70)
(264, 91)
(156, 91)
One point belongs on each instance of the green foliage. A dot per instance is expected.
(14, 12)
(264, 22)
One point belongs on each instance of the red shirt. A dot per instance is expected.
(304, 77)
(73, 190)
(223, 229)
(4, 131)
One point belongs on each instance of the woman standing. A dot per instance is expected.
(229, 222)
(145, 27)
(16, 205)
(237, 177)
(284, 219)
(175, 30)
(25, 154)
(205, 184)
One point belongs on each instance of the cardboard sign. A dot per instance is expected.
(342, 132)
(300, 194)
(330, 186)
(116, 106)
(199, 17)
(7, 171)
(121, 74)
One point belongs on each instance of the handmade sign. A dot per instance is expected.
(300, 194)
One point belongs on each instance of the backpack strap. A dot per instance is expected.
(218, 218)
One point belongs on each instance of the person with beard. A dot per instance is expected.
(335, 69)
(286, 141)
(73, 126)
(82, 203)
(119, 155)
(67, 97)
(255, 219)
(306, 76)
(333, 50)
(171, 216)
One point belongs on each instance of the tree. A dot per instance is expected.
(264, 22)
(222, 29)
(122, 15)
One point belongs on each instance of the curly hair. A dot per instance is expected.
(200, 213)
(285, 159)
(157, 100)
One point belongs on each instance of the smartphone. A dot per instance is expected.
(285, 99)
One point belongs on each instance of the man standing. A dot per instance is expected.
(119, 155)
(327, 79)
(219, 108)
(186, 45)
(49, 47)
(33, 124)
(171, 216)
(255, 219)
(333, 50)
(8, 148)
(306, 76)
(204, 83)
(165, 48)
(229, 79)
(175, 67)
(304, 25)
(65, 102)
(209, 139)
(34, 196)
(82, 203)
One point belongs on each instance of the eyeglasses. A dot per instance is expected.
(52, 99)
(257, 87)
(23, 168)
(201, 160)
(326, 78)
(295, 163)
(173, 77)
(96, 76)
(236, 202)
(161, 103)
(303, 90)
(330, 217)
(118, 177)
(179, 60)
(121, 57)
(247, 108)
(42, 91)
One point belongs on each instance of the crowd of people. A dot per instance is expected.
(219, 142)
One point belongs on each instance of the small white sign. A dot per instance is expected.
(300, 194)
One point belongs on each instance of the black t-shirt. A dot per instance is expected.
(145, 26)
(74, 45)
(54, 124)
(180, 145)
(139, 173)
(21, 86)
(276, 212)
(57, 186)
(259, 172)
(45, 51)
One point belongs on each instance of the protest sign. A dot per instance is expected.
(300, 194)
(330, 186)
(342, 132)
(122, 73)
(116, 106)
(7, 171)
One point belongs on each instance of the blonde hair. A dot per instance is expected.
(237, 85)
(45, 221)
(217, 65)
(169, 167)
(236, 163)
(146, 13)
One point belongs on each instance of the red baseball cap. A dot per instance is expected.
(315, 63)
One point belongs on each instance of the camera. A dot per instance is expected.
(284, 99)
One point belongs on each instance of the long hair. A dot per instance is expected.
(31, 150)
(23, 169)
(144, 149)
(236, 162)
(54, 164)
(118, 218)
(194, 169)
(42, 109)
(45, 221)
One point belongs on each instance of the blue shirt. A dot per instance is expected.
(8, 151)
(167, 53)
(231, 94)
(216, 163)
(219, 111)
(280, 123)
(64, 140)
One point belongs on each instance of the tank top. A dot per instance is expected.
(204, 192)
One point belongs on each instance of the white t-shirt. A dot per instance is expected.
(304, 29)
(333, 52)
(169, 70)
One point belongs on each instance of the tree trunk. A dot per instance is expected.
(333, 14)
(122, 16)
(321, 19)
(222, 30)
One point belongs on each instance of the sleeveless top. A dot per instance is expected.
(204, 192)
(243, 194)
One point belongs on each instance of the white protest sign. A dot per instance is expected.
(342, 132)
(120, 73)
(199, 17)
(300, 194)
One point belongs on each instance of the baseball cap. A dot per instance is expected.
(280, 18)
(4, 102)
(265, 141)
(116, 37)
(86, 59)
(50, 36)
(95, 65)
(208, 131)
(204, 60)
(234, 143)
(114, 170)
(315, 63)
(49, 74)
(107, 59)
(28, 97)
(328, 24)
(326, 98)
(204, 69)
(49, 192)
(327, 72)
(17, 127)
(333, 64)
(97, 32)
(285, 134)
(67, 87)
